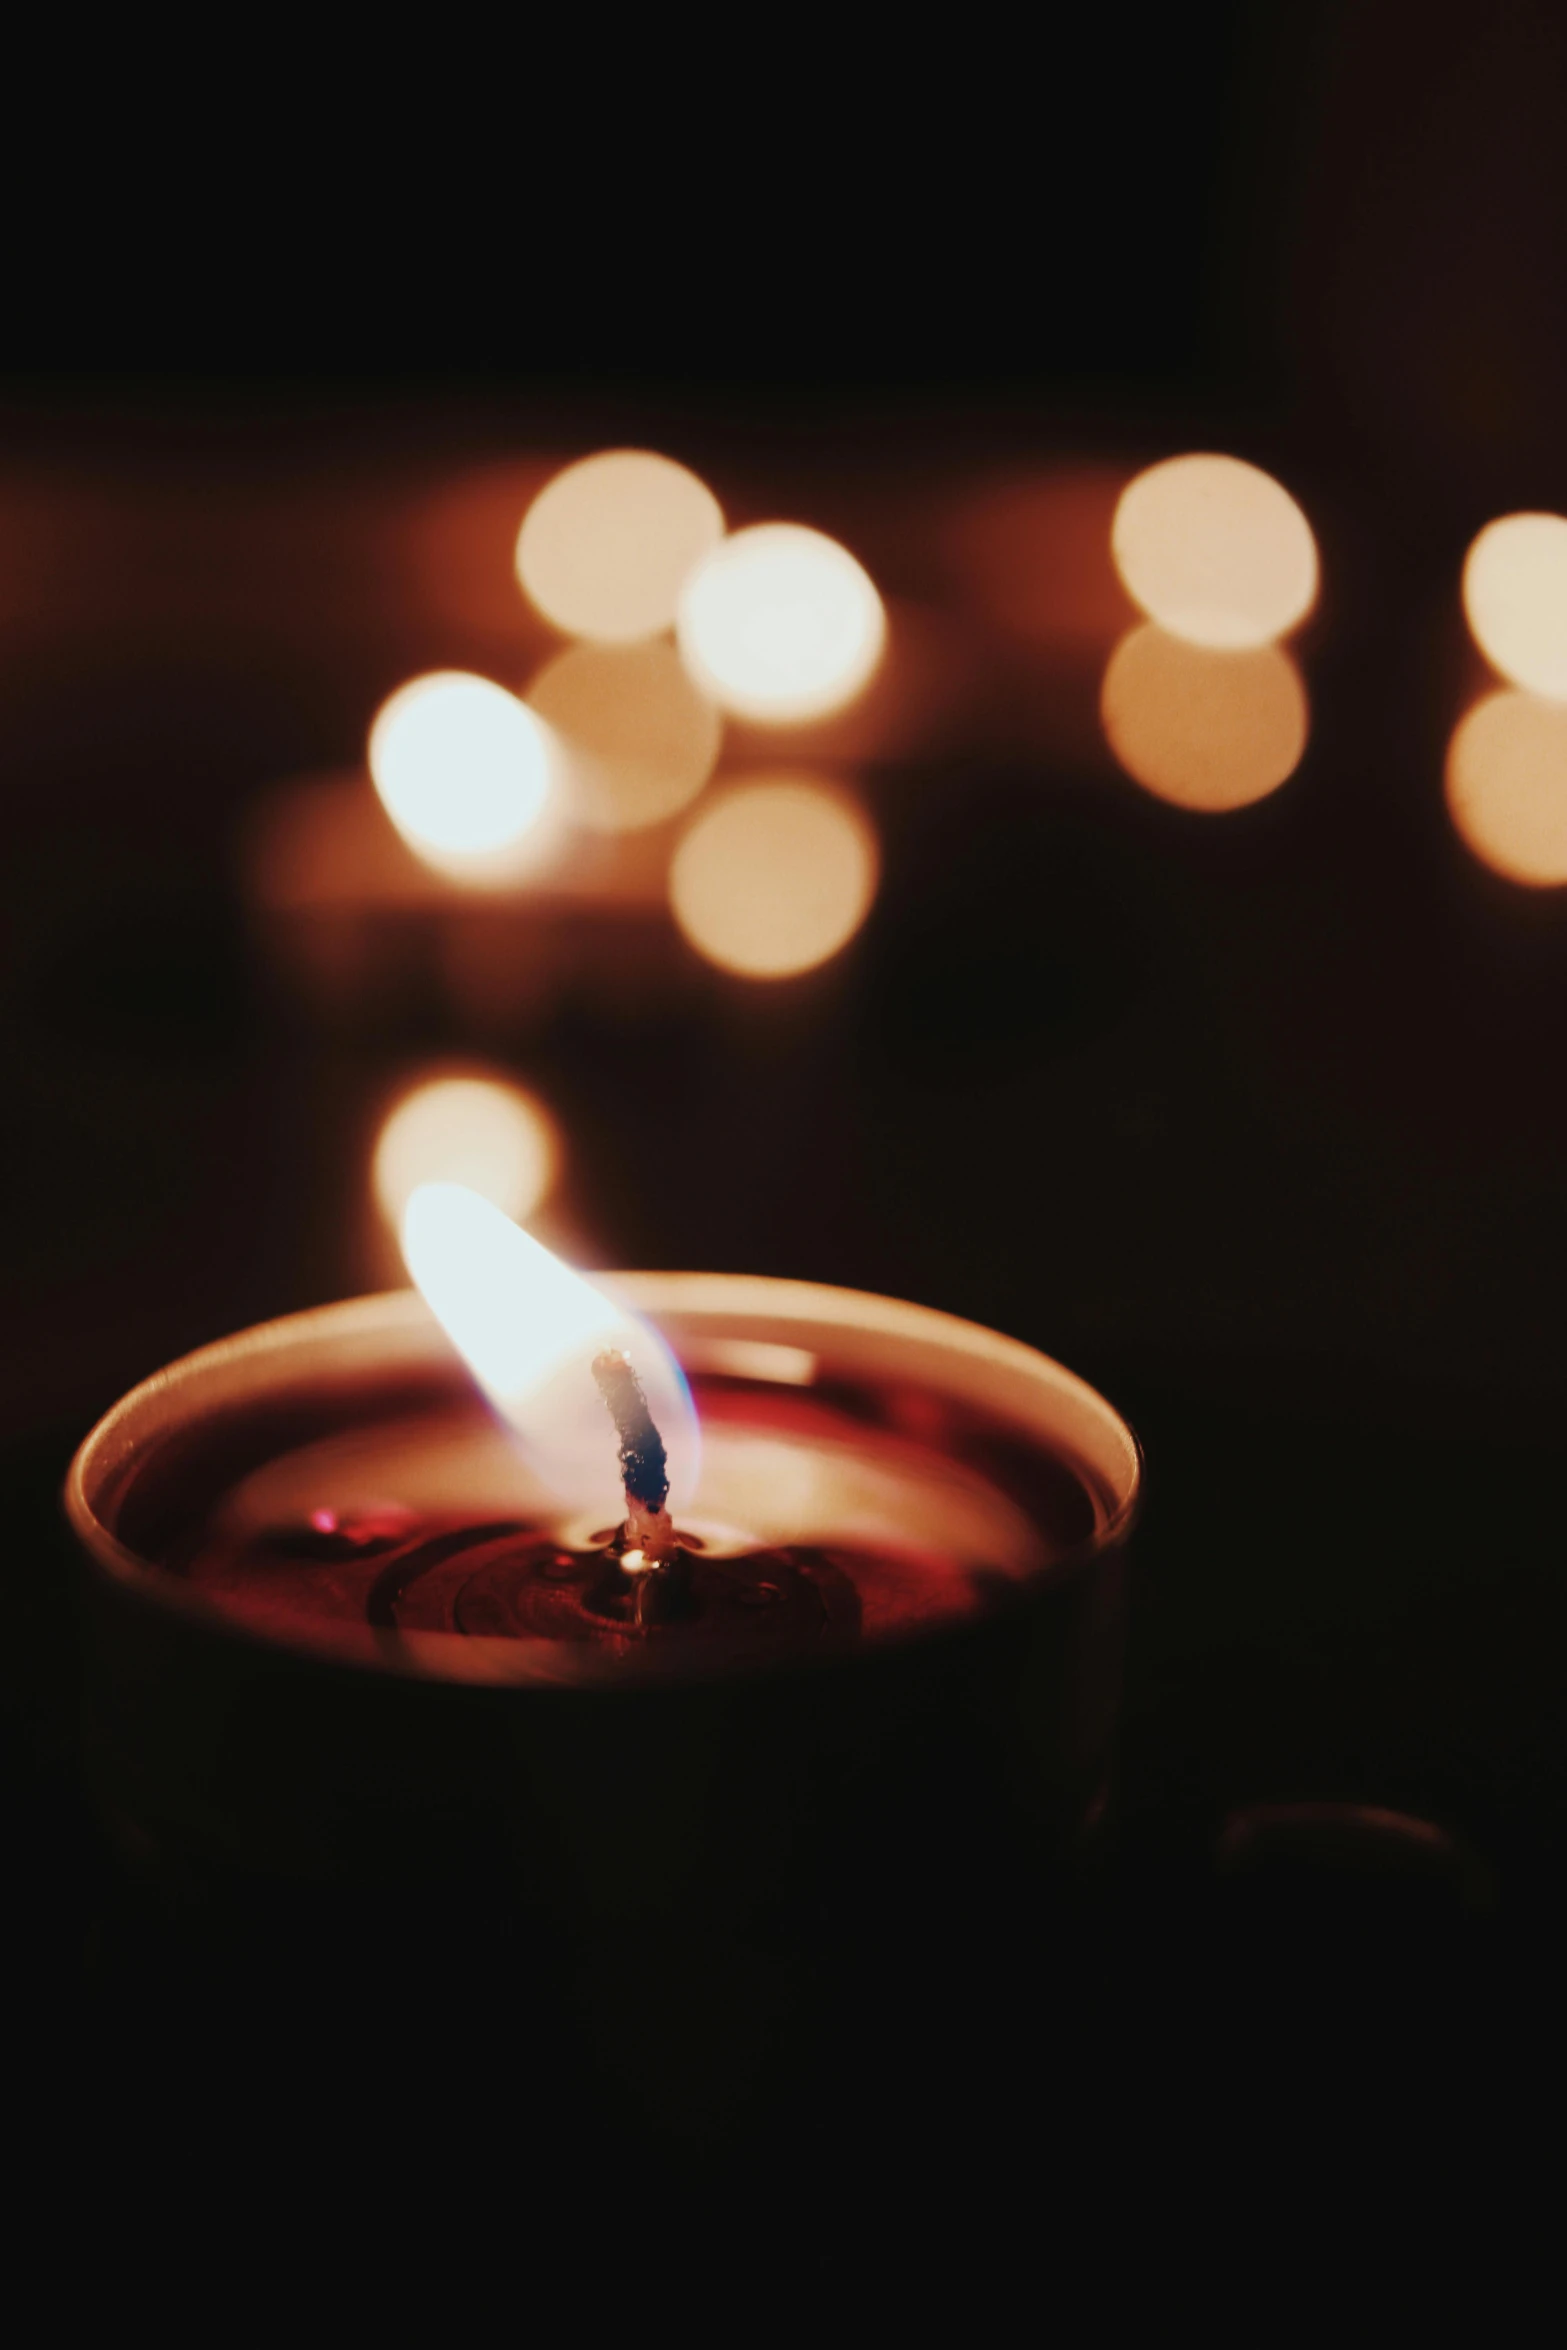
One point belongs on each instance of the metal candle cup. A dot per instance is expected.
(599, 1780)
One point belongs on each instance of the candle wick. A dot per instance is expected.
(644, 1465)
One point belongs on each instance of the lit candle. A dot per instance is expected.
(670, 1601)
(857, 1469)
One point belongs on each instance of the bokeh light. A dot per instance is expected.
(480, 1131)
(607, 546)
(781, 624)
(1507, 786)
(1215, 550)
(1207, 730)
(1515, 596)
(636, 738)
(775, 876)
(463, 770)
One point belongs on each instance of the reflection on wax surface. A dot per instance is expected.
(916, 1519)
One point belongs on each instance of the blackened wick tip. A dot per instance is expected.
(644, 1465)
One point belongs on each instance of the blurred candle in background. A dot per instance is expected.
(1506, 775)
(530, 846)
(607, 546)
(1216, 551)
(1204, 730)
(781, 624)
(774, 876)
(1515, 597)
(463, 770)
(635, 738)
(1507, 786)
(1201, 705)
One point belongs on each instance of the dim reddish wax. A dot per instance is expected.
(828, 1514)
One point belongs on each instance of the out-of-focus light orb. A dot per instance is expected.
(607, 546)
(781, 624)
(463, 770)
(635, 738)
(478, 1131)
(774, 877)
(1215, 550)
(1206, 730)
(1507, 786)
(1515, 596)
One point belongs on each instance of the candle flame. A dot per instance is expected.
(529, 1328)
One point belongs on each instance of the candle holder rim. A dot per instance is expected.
(404, 1310)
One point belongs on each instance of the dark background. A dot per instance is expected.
(1260, 1121)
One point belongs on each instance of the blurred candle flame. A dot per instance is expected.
(1205, 730)
(481, 1132)
(607, 546)
(1216, 551)
(463, 769)
(774, 876)
(528, 1328)
(1515, 599)
(780, 624)
(1507, 786)
(636, 738)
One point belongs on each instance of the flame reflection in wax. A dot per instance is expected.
(1209, 731)
(1507, 786)
(774, 877)
(463, 770)
(1215, 550)
(481, 1132)
(528, 1328)
(780, 624)
(1515, 597)
(607, 546)
(637, 739)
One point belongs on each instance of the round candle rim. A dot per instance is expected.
(386, 1313)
